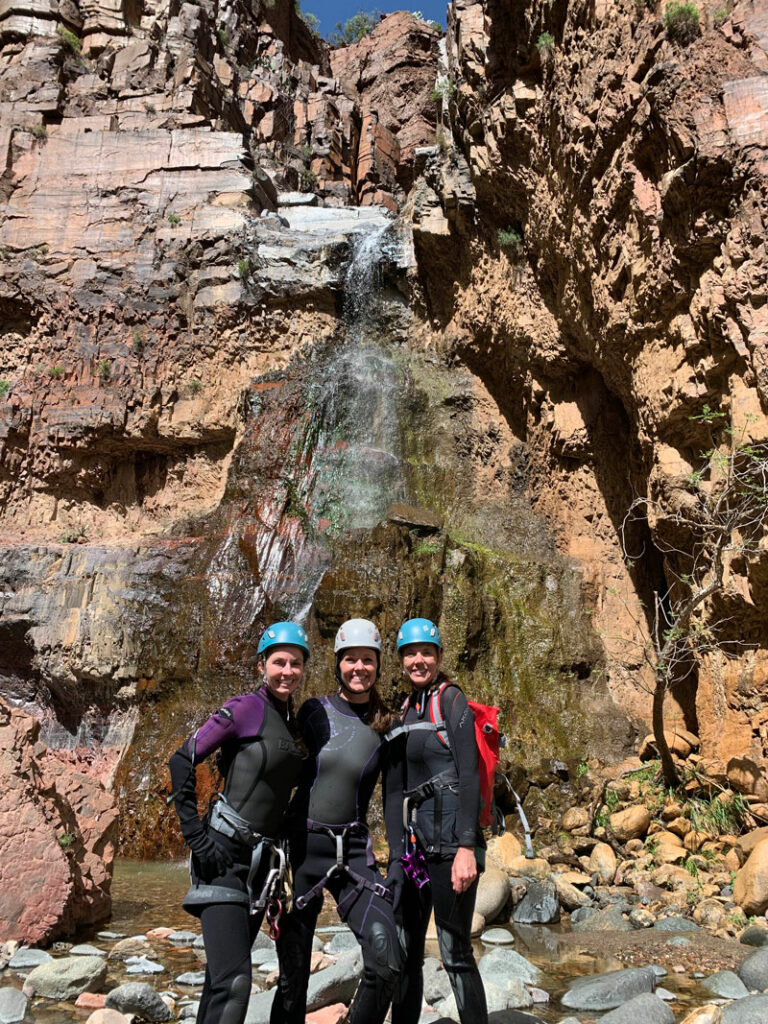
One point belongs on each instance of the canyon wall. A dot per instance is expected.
(207, 420)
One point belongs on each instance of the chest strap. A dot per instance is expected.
(339, 834)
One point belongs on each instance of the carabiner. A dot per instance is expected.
(274, 913)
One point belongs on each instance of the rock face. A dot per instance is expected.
(590, 245)
(58, 829)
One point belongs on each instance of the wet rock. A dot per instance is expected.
(140, 998)
(750, 887)
(750, 1010)
(704, 1015)
(134, 945)
(409, 515)
(25, 959)
(754, 935)
(85, 949)
(611, 919)
(501, 965)
(492, 893)
(497, 936)
(142, 965)
(105, 1016)
(647, 1008)
(609, 990)
(631, 823)
(182, 938)
(341, 942)
(67, 977)
(753, 970)
(91, 1000)
(540, 905)
(191, 978)
(603, 863)
(726, 984)
(13, 1005)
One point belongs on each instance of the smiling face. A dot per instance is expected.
(283, 670)
(421, 663)
(358, 668)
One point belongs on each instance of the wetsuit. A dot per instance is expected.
(229, 864)
(327, 825)
(445, 818)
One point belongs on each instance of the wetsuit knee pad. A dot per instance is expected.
(237, 1001)
(384, 952)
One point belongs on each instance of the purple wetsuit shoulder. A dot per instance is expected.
(239, 718)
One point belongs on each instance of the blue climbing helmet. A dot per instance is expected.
(282, 634)
(419, 631)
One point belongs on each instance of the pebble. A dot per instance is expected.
(13, 1005)
(84, 949)
(182, 938)
(191, 978)
(497, 937)
(26, 959)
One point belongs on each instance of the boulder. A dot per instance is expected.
(137, 997)
(753, 970)
(502, 850)
(602, 862)
(67, 977)
(647, 1008)
(56, 871)
(13, 1005)
(492, 893)
(754, 935)
(750, 888)
(680, 742)
(610, 919)
(747, 777)
(570, 897)
(704, 1015)
(631, 823)
(501, 965)
(533, 867)
(575, 817)
(540, 905)
(609, 990)
(726, 985)
(750, 1010)
(336, 984)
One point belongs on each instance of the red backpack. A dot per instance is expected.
(487, 737)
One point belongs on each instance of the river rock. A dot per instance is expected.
(25, 959)
(750, 1010)
(497, 937)
(13, 1005)
(631, 823)
(754, 935)
(502, 850)
(182, 938)
(641, 917)
(750, 887)
(673, 923)
(336, 984)
(611, 919)
(191, 978)
(602, 862)
(67, 977)
(575, 817)
(609, 990)
(501, 965)
(753, 970)
(140, 998)
(726, 984)
(530, 867)
(540, 905)
(105, 1016)
(437, 985)
(570, 897)
(492, 893)
(85, 949)
(142, 965)
(341, 942)
(646, 1007)
(134, 945)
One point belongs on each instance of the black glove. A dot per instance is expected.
(395, 881)
(212, 859)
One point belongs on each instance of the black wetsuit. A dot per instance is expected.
(260, 763)
(332, 800)
(445, 821)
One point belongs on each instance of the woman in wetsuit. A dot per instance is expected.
(436, 772)
(235, 857)
(329, 839)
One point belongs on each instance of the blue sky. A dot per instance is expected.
(331, 11)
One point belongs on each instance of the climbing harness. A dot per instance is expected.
(339, 835)
(413, 860)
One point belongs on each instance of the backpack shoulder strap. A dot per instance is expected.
(436, 714)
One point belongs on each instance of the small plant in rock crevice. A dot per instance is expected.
(195, 386)
(69, 39)
(138, 342)
(174, 219)
(443, 91)
(72, 535)
(719, 16)
(681, 21)
(307, 179)
(244, 267)
(66, 839)
(545, 44)
(39, 131)
(55, 371)
(104, 369)
(509, 238)
(5, 387)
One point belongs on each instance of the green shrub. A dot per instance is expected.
(354, 29)
(545, 43)
(222, 35)
(307, 180)
(104, 369)
(39, 131)
(244, 267)
(195, 386)
(138, 342)
(509, 238)
(5, 387)
(72, 535)
(66, 839)
(443, 91)
(720, 16)
(311, 21)
(69, 39)
(55, 371)
(174, 219)
(681, 20)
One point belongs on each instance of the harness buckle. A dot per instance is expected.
(273, 915)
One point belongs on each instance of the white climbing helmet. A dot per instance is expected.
(357, 633)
